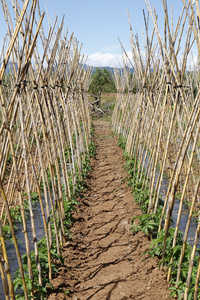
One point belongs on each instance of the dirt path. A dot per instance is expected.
(105, 261)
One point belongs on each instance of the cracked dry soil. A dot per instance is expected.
(104, 260)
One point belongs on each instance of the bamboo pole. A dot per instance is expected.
(14, 36)
(16, 247)
(7, 268)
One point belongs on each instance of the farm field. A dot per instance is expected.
(99, 190)
(104, 260)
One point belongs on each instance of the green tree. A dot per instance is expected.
(102, 82)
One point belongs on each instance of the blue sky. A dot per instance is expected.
(97, 24)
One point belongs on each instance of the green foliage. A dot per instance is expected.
(48, 177)
(68, 154)
(80, 186)
(9, 158)
(7, 232)
(141, 194)
(195, 92)
(92, 130)
(74, 139)
(92, 146)
(178, 195)
(92, 149)
(156, 249)
(177, 289)
(102, 82)
(34, 197)
(86, 167)
(121, 142)
(16, 216)
(40, 291)
(40, 134)
(148, 223)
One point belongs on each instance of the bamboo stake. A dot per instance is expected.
(7, 268)
(4, 281)
(16, 247)
(29, 192)
(15, 34)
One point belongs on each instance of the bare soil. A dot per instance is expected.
(104, 260)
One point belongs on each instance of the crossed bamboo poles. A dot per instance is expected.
(44, 116)
(159, 119)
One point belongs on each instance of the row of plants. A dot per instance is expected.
(148, 223)
(15, 213)
(44, 110)
(35, 290)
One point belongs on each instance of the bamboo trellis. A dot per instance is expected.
(157, 114)
(44, 136)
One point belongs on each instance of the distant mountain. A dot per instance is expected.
(10, 68)
(110, 69)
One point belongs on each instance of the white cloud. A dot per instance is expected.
(99, 59)
(107, 59)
